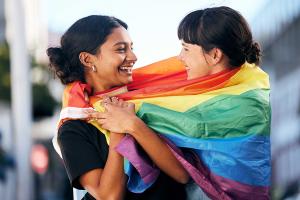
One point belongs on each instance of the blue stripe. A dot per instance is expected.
(244, 159)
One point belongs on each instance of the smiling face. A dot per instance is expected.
(114, 61)
(196, 61)
(199, 63)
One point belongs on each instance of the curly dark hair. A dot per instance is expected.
(85, 35)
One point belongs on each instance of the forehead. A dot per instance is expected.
(186, 44)
(189, 45)
(118, 35)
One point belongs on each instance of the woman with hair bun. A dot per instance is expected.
(95, 56)
(215, 40)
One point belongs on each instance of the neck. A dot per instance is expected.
(222, 65)
(97, 85)
(217, 68)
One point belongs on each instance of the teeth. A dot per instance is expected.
(127, 69)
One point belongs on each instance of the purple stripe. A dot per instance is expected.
(197, 175)
(241, 191)
(128, 149)
(217, 187)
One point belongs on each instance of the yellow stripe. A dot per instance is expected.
(97, 106)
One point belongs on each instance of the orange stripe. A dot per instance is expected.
(149, 80)
(168, 66)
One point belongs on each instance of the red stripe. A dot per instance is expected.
(76, 96)
(169, 86)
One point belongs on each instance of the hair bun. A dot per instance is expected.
(56, 56)
(59, 64)
(253, 54)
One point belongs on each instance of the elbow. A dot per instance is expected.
(108, 197)
(109, 194)
(183, 177)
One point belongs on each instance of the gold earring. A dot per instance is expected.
(94, 68)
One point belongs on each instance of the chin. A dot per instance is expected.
(127, 80)
(189, 77)
(130, 79)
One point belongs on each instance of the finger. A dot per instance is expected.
(107, 106)
(101, 121)
(104, 125)
(88, 111)
(97, 115)
(114, 100)
(131, 105)
(106, 99)
(103, 103)
(121, 103)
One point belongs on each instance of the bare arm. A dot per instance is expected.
(120, 117)
(107, 183)
(158, 150)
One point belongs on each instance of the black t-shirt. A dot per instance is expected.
(84, 148)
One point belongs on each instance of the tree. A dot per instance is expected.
(43, 103)
(5, 94)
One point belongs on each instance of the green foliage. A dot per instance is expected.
(4, 73)
(43, 103)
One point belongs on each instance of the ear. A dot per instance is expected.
(216, 55)
(87, 59)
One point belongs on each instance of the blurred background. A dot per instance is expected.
(30, 98)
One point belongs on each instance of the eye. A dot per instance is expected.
(121, 50)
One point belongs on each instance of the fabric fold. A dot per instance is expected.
(218, 126)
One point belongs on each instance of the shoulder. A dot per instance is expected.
(78, 131)
(77, 127)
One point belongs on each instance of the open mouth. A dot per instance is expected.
(126, 69)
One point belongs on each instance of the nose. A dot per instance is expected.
(131, 56)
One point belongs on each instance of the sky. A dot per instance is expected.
(152, 24)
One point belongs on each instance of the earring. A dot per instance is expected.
(94, 68)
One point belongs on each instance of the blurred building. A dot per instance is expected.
(36, 28)
(277, 27)
(51, 183)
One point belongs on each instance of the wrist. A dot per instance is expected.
(115, 138)
(136, 125)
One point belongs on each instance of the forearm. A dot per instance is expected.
(158, 151)
(112, 182)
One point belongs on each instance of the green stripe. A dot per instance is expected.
(224, 116)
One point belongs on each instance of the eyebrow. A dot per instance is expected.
(122, 43)
(183, 44)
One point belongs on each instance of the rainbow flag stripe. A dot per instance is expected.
(223, 119)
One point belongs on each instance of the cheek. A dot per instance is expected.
(114, 64)
(198, 68)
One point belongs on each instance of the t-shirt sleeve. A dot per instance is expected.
(79, 149)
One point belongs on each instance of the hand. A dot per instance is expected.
(119, 116)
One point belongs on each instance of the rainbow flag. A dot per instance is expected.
(220, 122)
